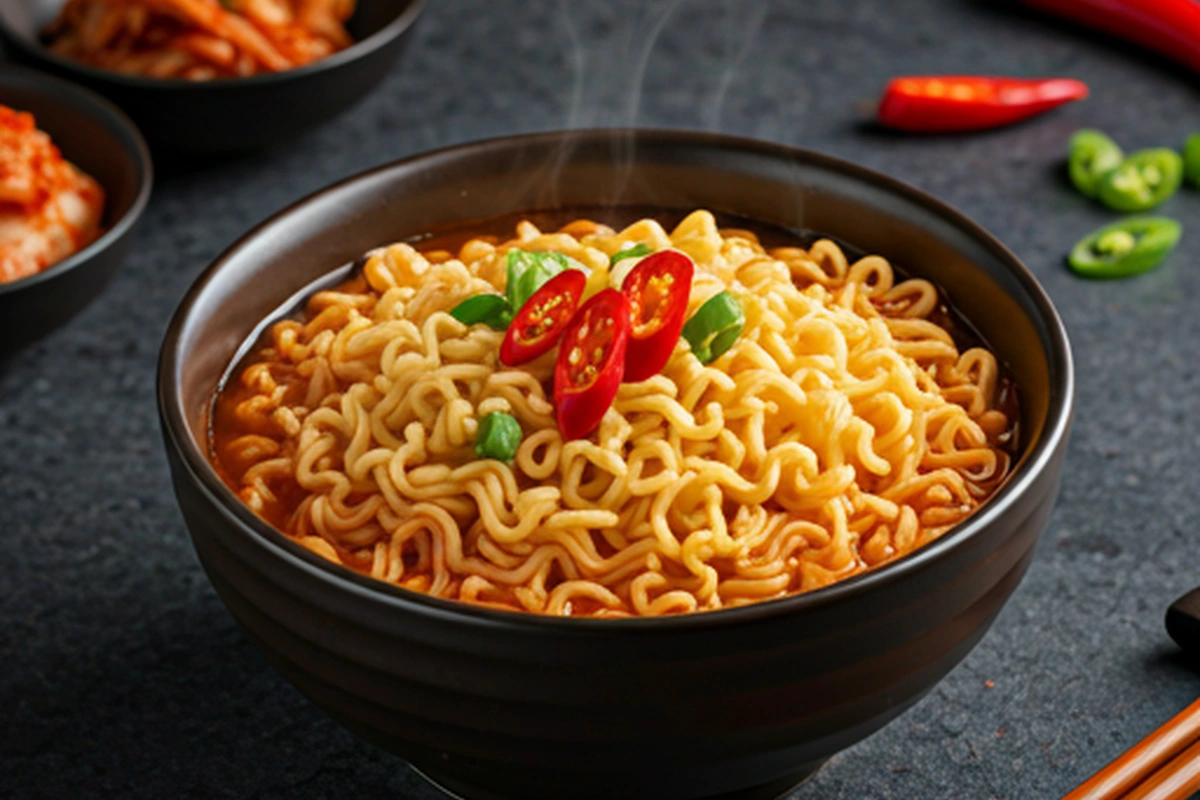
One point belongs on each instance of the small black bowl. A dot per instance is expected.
(101, 141)
(739, 703)
(182, 118)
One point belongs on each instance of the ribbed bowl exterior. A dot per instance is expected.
(607, 714)
(501, 705)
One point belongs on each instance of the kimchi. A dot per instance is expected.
(49, 209)
(200, 40)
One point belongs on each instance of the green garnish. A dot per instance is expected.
(1144, 180)
(498, 437)
(528, 271)
(526, 274)
(637, 251)
(492, 310)
(1092, 156)
(1127, 248)
(714, 327)
(1191, 160)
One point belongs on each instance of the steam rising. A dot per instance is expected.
(611, 45)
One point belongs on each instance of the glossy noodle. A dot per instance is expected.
(843, 429)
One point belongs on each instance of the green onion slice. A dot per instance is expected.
(528, 271)
(1127, 248)
(498, 437)
(714, 327)
(492, 310)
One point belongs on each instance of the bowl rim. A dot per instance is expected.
(103, 111)
(266, 537)
(354, 52)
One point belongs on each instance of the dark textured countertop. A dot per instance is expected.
(123, 676)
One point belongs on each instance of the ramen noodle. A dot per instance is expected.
(843, 428)
(49, 210)
(200, 39)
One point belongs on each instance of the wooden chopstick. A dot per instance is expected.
(1178, 780)
(1151, 754)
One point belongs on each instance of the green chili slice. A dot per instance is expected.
(637, 251)
(498, 437)
(714, 327)
(1126, 248)
(492, 310)
(1092, 156)
(1191, 160)
(1144, 180)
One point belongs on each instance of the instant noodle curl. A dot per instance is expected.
(841, 430)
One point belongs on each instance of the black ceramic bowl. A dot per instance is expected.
(739, 703)
(187, 118)
(101, 141)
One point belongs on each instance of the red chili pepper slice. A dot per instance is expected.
(657, 289)
(591, 361)
(1170, 27)
(540, 322)
(931, 104)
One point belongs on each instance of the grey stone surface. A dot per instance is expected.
(123, 676)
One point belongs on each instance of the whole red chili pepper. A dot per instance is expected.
(1170, 27)
(946, 104)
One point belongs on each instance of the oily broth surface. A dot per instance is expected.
(440, 245)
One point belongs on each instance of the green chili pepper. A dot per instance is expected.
(492, 310)
(498, 437)
(1144, 180)
(637, 251)
(1092, 156)
(714, 327)
(1191, 160)
(1127, 248)
(528, 271)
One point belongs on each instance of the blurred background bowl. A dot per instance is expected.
(101, 141)
(739, 703)
(182, 118)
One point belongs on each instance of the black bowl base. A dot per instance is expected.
(774, 790)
